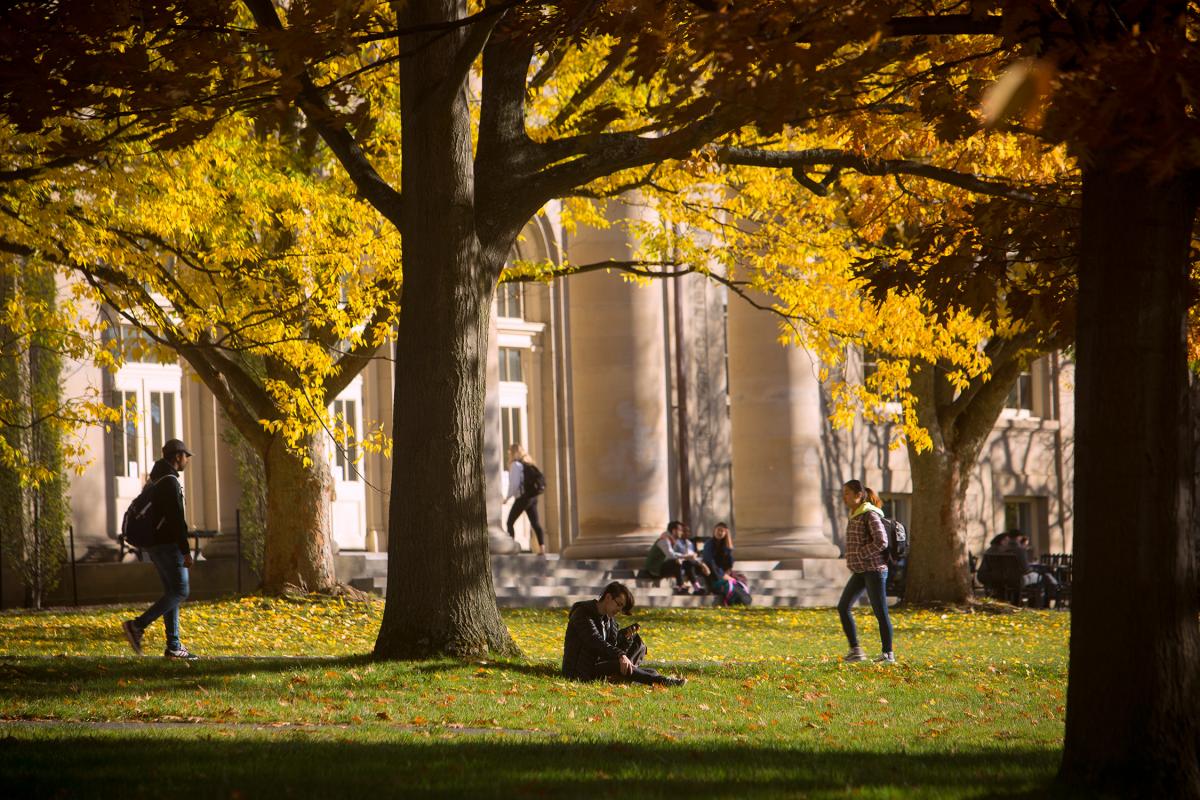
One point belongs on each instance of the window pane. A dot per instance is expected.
(510, 364)
(1018, 516)
(156, 423)
(514, 365)
(118, 438)
(125, 444)
(510, 300)
(510, 427)
(168, 415)
(132, 454)
(352, 440)
(1020, 397)
(505, 430)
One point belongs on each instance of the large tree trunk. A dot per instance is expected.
(299, 548)
(937, 566)
(937, 563)
(1134, 690)
(958, 425)
(440, 597)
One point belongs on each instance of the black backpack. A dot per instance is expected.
(897, 541)
(533, 482)
(142, 520)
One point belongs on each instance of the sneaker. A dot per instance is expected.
(855, 654)
(132, 635)
(674, 681)
(885, 658)
(182, 654)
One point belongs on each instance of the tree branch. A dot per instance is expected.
(373, 188)
(800, 160)
(468, 50)
(644, 269)
(944, 25)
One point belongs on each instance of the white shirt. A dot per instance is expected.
(516, 479)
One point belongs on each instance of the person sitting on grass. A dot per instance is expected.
(593, 648)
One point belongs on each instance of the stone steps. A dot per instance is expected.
(526, 581)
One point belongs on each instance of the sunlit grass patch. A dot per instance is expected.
(760, 679)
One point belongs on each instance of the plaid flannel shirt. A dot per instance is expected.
(866, 542)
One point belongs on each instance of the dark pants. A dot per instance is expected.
(528, 505)
(635, 651)
(168, 560)
(611, 671)
(873, 583)
(681, 570)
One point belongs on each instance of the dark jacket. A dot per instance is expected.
(591, 638)
(168, 501)
(718, 555)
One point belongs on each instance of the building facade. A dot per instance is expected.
(642, 404)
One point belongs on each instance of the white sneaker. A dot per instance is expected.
(855, 654)
(885, 658)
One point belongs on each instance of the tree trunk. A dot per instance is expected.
(1134, 686)
(299, 549)
(440, 596)
(937, 562)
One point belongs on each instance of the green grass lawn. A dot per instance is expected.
(288, 703)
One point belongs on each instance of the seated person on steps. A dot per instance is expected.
(689, 560)
(593, 648)
(718, 552)
(664, 561)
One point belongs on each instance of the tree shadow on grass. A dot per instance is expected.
(540, 669)
(54, 676)
(203, 765)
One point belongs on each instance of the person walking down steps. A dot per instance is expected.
(525, 483)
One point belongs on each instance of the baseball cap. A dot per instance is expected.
(173, 446)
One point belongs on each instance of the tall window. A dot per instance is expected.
(510, 364)
(897, 507)
(1020, 397)
(510, 300)
(1018, 516)
(510, 427)
(126, 457)
(162, 420)
(346, 456)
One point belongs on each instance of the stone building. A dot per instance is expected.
(642, 404)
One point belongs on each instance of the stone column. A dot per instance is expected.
(494, 451)
(620, 403)
(776, 429)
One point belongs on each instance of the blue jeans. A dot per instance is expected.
(168, 560)
(872, 583)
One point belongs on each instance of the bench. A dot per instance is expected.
(1003, 578)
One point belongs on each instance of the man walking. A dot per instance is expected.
(169, 553)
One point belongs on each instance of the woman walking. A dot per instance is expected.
(521, 470)
(866, 543)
